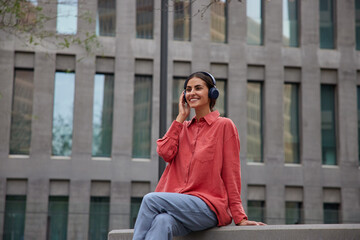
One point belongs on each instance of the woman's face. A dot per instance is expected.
(197, 93)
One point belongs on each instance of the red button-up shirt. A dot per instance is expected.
(203, 161)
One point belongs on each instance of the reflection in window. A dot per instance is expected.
(142, 117)
(328, 129)
(99, 218)
(218, 28)
(178, 88)
(254, 14)
(63, 114)
(103, 115)
(221, 100)
(106, 18)
(135, 206)
(21, 113)
(58, 217)
(331, 213)
(144, 18)
(290, 23)
(293, 213)
(291, 123)
(67, 11)
(254, 122)
(357, 23)
(256, 210)
(327, 25)
(14, 219)
(182, 20)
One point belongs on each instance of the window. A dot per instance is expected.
(293, 213)
(178, 88)
(256, 210)
(21, 113)
(221, 100)
(254, 122)
(14, 219)
(357, 23)
(58, 217)
(331, 213)
(106, 18)
(142, 117)
(135, 206)
(328, 129)
(182, 20)
(67, 16)
(103, 115)
(144, 18)
(291, 123)
(254, 12)
(218, 28)
(327, 24)
(63, 113)
(358, 108)
(99, 218)
(290, 23)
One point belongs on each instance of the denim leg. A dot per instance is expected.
(190, 213)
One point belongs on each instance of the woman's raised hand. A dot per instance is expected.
(184, 109)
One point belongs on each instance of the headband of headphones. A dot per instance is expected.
(205, 73)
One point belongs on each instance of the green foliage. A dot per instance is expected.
(25, 20)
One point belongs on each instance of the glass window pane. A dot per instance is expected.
(182, 20)
(358, 108)
(254, 122)
(14, 219)
(178, 88)
(67, 11)
(293, 213)
(327, 25)
(135, 206)
(218, 27)
(328, 130)
(290, 23)
(21, 113)
(103, 115)
(331, 213)
(254, 22)
(142, 117)
(256, 210)
(221, 100)
(63, 114)
(58, 217)
(291, 123)
(106, 18)
(99, 218)
(144, 18)
(357, 23)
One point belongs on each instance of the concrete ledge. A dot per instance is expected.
(278, 232)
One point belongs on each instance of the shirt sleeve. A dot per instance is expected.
(231, 173)
(167, 147)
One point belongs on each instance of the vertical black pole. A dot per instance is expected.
(163, 74)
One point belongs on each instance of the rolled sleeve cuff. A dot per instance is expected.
(174, 130)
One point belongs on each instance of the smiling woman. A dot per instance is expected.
(187, 198)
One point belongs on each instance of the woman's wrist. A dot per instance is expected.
(180, 118)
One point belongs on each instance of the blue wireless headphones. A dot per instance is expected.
(213, 91)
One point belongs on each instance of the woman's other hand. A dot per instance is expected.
(246, 222)
(184, 109)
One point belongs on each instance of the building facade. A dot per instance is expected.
(78, 131)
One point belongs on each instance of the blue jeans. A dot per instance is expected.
(164, 215)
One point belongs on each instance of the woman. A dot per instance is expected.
(200, 187)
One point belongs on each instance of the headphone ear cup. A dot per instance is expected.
(185, 96)
(213, 93)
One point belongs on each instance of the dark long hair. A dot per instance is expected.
(209, 83)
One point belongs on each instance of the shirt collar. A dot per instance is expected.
(209, 118)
